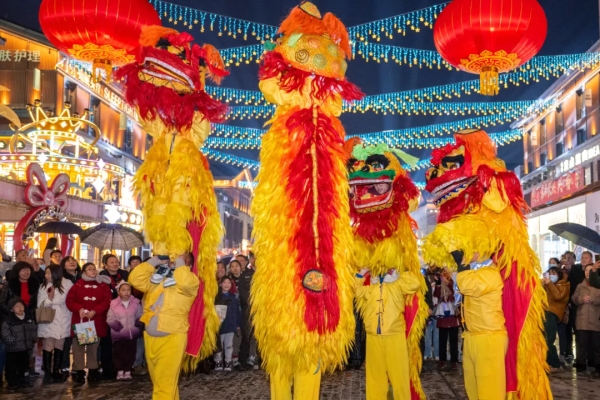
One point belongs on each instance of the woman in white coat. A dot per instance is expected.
(53, 293)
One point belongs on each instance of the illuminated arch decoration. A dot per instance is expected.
(45, 202)
(62, 144)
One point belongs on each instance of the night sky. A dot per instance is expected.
(572, 28)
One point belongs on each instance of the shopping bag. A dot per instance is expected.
(445, 309)
(85, 333)
(45, 315)
(221, 312)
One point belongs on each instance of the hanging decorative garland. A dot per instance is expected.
(236, 27)
(231, 159)
(501, 138)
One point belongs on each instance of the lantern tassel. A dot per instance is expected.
(488, 81)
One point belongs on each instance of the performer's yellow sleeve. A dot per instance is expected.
(477, 283)
(139, 278)
(187, 282)
(408, 283)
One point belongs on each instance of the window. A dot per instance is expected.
(543, 133)
(559, 149)
(529, 166)
(543, 159)
(580, 104)
(581, 135)
(529, 144)
(588, 175)
(149, 142)
(127, 140)
(559, 119)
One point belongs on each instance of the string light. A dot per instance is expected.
(250, 112)
(231, 131)
(397, 24)
(501, 138)
(231, 159)
(235, 56)
(234, 27)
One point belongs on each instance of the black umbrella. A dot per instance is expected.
(58, 227)
(112, 237)
(579, 235)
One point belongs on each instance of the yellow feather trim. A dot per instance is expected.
(484, 232)
(276, 295)
(183, 190)
(398, 251)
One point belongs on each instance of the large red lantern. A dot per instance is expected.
(103, 32)
(490, 37)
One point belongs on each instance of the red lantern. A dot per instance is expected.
(490, 37)
(103, 32)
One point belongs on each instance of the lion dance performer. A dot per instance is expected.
(482, 217)
(301, 296)
(166, 85)
(391, 297)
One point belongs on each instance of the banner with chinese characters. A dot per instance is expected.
(563, 186)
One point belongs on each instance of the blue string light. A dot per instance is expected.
(231, 159)
(238, 143)
(234, 27)
(250, 112)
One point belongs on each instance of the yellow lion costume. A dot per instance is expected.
(381, 197)
(166, 85)
(482, 214)
(301, 296)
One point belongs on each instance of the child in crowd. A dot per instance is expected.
(19, 334)
(124, 321)
(229, 326)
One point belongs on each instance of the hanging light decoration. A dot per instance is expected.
(488, 38)
(103, 32)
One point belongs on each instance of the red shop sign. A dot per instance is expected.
(565, 185)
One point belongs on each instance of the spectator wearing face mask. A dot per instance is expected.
(557, 288)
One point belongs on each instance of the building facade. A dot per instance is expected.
(233, 201)
(561, 171)
(58, 116)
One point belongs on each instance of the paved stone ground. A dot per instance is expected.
(253, 385)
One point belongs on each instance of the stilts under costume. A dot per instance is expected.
(166, 85)
(301, 296)
(481, 212)
(391, 297)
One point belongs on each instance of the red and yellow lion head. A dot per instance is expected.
(166, 82)
(462, 174)
(380, 190)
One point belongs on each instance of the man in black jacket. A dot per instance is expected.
(247, 356)
(576, 275)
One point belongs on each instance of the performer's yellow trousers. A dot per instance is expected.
(387, 363)
(483, 365)
(164, 356)
(306, 385)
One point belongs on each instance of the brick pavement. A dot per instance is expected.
(253, 385)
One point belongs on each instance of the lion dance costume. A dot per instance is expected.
(482, 213)
(166, 85)
(393, 308)
(301, 296)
